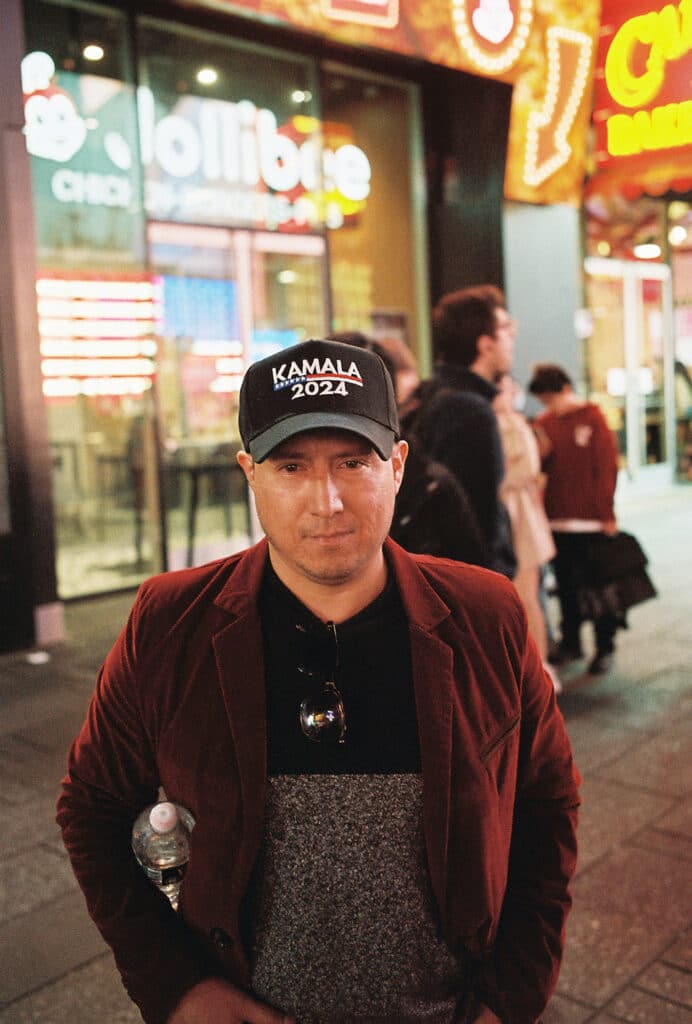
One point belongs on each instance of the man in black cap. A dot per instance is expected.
(383, 789)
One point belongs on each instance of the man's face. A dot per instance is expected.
(505, 336)
(325, 500)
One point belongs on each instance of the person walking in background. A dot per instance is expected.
(383, 788)
(473, 335)
(522, 492)
(579, 457)
(432, 512)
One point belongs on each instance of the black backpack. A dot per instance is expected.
(433, 514)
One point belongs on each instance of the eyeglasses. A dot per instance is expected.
(322, 714)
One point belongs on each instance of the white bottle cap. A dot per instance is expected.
(163, 817)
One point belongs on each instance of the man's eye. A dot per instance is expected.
(289, 467)
(353, 463)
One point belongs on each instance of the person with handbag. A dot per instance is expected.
(580, 460)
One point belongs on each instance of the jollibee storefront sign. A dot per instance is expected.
(545, 49)
(215, 161)
(643, 106)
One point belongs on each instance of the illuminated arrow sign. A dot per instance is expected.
(547, 148)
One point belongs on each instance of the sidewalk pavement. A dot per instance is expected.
(629, 945)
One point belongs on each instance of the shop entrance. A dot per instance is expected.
(629, 362)
(228, 298)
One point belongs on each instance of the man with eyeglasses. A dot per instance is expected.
(383, 789)
(474, 337)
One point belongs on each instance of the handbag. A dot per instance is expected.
(610, 558)
(616, 576)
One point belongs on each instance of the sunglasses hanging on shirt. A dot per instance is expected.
(321, 714)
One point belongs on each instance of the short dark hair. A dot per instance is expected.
(460, 318)
(548, 378)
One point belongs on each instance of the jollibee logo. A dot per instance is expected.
(312, 377)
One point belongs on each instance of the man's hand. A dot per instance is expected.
(214, 1001)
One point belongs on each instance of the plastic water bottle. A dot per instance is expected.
(160, 842)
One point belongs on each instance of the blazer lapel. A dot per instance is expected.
(240, 665)
(433, 678)
(432, 671)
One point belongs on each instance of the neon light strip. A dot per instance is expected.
(53, 287)
(95, 328)
(93, 367)
(68, 308)
(65, 387)
(52, 347)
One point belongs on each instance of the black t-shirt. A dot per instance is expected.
(372, 671)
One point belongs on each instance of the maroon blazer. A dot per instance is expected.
(179, 703)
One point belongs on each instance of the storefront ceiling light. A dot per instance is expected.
(207, 76)
(93, 51)
(301, 95)
(647, 251)
(677, 234)
(287, 277)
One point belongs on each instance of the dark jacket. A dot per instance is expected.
(179, 702)
(459, 429)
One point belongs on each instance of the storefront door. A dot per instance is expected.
(228, 298)
(629, 361)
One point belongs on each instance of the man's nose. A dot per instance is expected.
(326, 495)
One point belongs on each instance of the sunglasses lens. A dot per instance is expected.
(322, 716)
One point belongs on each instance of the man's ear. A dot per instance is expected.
(485, 344)
(247, 464)
(399, 454)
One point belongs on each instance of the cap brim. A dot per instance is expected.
(380, 437)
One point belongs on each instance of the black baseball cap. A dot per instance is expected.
(314, 385)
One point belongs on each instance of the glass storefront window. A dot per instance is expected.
(234, 201)
(229, 297)
(375, 282)
(229, 134)
(5, 520)
(97, 305)
(680, 241)
(626, 356)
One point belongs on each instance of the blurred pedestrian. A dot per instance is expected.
(522, 492)
(474, 337)
(432, 512)
(580, 461)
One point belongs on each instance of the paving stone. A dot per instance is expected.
(628, 908)
(28, 824)
(609, 814)
(37, 755)
(661, 764)
(91, 995)
(563, 1010)
(638, 1007)
(671, 844)
(678, 820)
(30, 880)
(44, 945)
(680, 953)
(671, 982)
